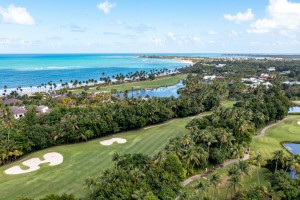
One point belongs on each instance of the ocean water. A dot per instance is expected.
(32, 70)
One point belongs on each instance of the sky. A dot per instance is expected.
(156, 26)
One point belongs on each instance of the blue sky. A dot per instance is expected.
(140, 26)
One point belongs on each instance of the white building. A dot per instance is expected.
(209, 77)
(18, 112)
(43, 109)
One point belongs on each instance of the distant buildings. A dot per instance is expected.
(253, 82)
(272, 69)
(220, 65)
(209, 77)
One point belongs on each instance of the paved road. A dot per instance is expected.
(263, 132)
(204, 174)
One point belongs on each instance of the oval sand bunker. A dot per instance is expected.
(111, 141)
(33, 163)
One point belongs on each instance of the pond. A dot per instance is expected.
(292, 82)
(292, 147)
(294, 109)
(158, 92)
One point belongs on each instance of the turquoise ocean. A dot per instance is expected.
(27, 70)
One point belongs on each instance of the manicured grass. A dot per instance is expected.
(227, 103)
(85, 160)
(287, 130)
(159, 82)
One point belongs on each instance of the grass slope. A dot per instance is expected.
(159, 82)
(85, 160)
(287, 130)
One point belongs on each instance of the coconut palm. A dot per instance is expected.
(277, 155)
(234, 183)
(214, 180)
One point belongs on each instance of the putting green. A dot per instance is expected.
(84, 160)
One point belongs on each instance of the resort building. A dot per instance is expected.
(12, 101)
(43, 109)
(18, 112)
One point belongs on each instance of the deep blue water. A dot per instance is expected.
(159, 92)
(294, 109)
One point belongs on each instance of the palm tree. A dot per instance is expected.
(235, 182)
(90, 182)
(258, 161)
(214, 180)
(277, 155)
(244, 167)
(116, 158)
(191, 158)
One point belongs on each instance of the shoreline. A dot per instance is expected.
(27, 90)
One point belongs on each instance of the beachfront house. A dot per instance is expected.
(18, 111)
(12, 101)
(43, 109)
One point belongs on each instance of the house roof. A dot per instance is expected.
(12, 101)
(18, 110)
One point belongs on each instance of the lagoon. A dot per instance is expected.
(168, 91)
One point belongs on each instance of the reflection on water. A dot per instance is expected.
(293, 148)
(294, 109)
(158, 92)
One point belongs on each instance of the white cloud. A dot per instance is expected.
(240, 17)
(172, 36)
(233, 33)
(282, 17)
(16, 15)
(196, 39)
(212, 32)
(106, 6)
(158, 41)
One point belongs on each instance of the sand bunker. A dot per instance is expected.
(33, 163)
(298, 123)
(111, 141)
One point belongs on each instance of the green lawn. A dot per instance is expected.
(286, 131)
(85, 160)
(227, 103)
(159, 82)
